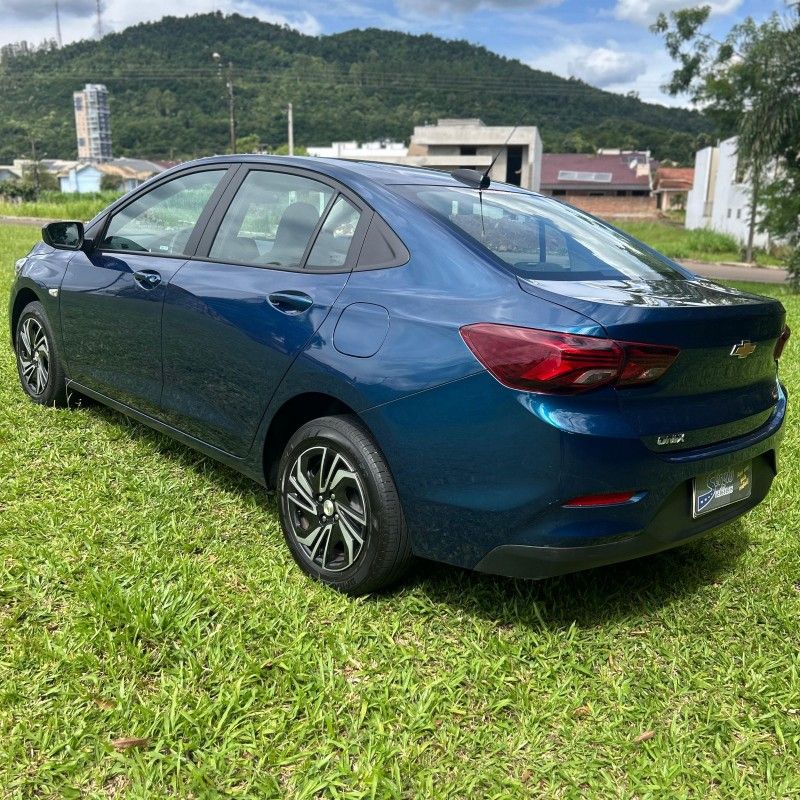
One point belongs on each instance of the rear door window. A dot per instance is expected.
(335, 237)
(271, 220)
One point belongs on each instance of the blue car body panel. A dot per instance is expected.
(482, 470)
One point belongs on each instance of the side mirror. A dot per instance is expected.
(63, 235)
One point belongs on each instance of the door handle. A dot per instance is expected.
(147, 278)
(290, 302)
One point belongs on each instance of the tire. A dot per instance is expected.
(39, 366)
(333, 454)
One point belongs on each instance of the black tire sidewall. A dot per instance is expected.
(55, 392)
(383, 526)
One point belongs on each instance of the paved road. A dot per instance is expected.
(34, 221)
(737, 273)
(708, 270)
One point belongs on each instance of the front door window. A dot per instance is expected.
(162, 220)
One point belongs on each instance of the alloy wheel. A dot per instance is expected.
(327, 508)
(33, 352)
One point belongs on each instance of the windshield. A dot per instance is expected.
(541, 239)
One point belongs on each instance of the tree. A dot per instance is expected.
(249, 144)
(283, 150)
(749, 82)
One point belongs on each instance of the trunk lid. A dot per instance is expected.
(714, 391)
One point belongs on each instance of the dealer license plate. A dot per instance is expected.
(715, 490)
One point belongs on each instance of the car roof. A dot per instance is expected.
(344, 170)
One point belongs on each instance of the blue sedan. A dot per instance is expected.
(420, 364)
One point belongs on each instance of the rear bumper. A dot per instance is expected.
(671, 526)
(483, 473)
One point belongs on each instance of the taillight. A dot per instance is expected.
(782, 340)
(563, 363)
(595, 500)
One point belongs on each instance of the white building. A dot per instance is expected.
(369, 151)
(721, 194)
(458, 143)
(92, 122)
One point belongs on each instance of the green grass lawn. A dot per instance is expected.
(55, 205)
(675, 241)
(146, 593)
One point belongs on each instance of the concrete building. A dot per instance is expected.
(368, 151)
(721, 194)
(128, 173)
(611, 183)
(93, 122)
(457, 143)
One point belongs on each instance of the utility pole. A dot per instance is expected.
(231, 99)
(291, 129)
(231, 108)
(35, 165)
(99, 20)
(58, 26)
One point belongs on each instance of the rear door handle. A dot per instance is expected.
(148, 278)
(290, 302)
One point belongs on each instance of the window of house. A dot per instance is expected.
(468, 150)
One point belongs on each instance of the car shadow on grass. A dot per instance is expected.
(185, 456)
(619, 592)
(625, 591)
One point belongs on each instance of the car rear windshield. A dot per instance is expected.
(542, 239)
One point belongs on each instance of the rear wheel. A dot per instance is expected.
(339, 508)
(41, 372)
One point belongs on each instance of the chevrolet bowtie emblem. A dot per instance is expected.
(743, 349)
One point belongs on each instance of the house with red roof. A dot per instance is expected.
(609, 183)
(671, 187)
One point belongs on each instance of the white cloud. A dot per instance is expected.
(644, 12)
(444, 7)
(610, 67)
(34, 20)
(602, 66)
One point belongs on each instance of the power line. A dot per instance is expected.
(555, 87)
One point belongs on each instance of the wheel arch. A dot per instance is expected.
(294, 413)
(24, 297)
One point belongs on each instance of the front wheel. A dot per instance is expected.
(41, 373)
(339, 507)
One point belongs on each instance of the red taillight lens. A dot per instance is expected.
(595, 500)
(563, 363)
(782, 340)
(645, 363)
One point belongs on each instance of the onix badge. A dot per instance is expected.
(743, 349)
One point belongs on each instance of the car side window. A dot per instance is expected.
(162, 220)
(271, 220)
(335, 236)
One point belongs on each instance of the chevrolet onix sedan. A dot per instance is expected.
(420, 364)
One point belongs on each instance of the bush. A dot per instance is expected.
(707, 241)
(110, 183)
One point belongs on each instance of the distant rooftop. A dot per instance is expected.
(620, 170)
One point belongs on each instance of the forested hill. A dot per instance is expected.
(168, 96)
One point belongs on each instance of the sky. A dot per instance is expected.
(605, 43)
